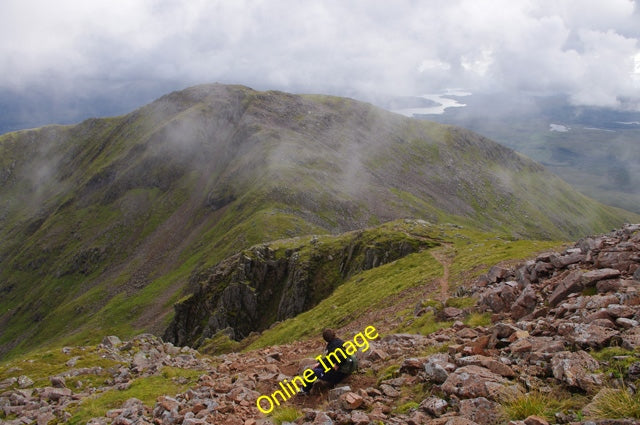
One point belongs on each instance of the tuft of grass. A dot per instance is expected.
(460, 302)
(478, 319)
(612, 403)
(431, 303)
(388, 373)
(434, 349)
(404, 408)
(519, 407)
(424, 325)
(220, 343)
(285, 414)
(546, 405)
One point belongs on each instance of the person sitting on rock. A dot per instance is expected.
(339, 370)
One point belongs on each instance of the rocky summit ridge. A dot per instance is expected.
(561, 345)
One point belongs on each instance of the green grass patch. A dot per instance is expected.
(285, 414)
(389, 372)
(475, 252)
(220, 343)
(40, 365)
(434, 349)
(613, 403)
(545, 405)
(406, 407)
(424, 325)
(478, 319)
(170, 381)
(616, 360)
(460, 302)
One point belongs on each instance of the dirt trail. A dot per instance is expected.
(444, 257)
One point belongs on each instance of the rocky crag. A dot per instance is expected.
(252, 289)
(562, 346)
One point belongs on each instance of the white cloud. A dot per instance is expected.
(584, 49)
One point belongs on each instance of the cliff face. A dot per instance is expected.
(251, 290)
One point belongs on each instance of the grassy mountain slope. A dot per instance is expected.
(384, 297)
(104, 224)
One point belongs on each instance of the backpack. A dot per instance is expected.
(349, 365)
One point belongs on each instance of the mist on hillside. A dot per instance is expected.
(594, 149)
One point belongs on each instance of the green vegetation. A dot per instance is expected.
(478, 319)
(616, 360)
(406, 407)
(546, 405)
(285, 414)
(220, 343)
(389, 372)
(434, 349)
(460, 302)
(534, 403)
(424, 325)
(148, 389)
(104, 224)
(40, 365)
(612, 403)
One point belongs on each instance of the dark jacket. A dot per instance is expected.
(333, 344)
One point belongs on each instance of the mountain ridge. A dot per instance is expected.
(104, 222)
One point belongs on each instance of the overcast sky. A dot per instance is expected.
(126, 52)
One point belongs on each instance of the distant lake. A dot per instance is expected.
(443, 100)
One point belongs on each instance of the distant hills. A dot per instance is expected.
(105, 225)
(594, 149)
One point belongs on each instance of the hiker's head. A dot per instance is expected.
(328, 335)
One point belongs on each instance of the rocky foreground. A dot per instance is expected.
(564, 337)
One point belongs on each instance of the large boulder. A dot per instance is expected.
(500, 298)
(592, 277)
(490, 363)
(525, 303)
(474, 381)
(437, 368)
(575, 369)
(570, 284)
(434, 406)
(481, 411)
(587, 335)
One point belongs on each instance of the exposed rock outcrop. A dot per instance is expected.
(251, 290)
